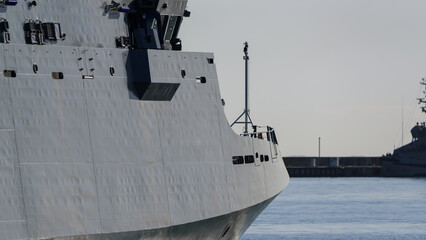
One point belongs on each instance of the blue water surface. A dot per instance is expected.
(345, 208)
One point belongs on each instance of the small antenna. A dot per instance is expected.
(402, 124)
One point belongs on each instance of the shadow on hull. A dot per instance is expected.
(394, 169)
(228, 227)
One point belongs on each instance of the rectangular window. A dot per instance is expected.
(249, 159)
(236, 160)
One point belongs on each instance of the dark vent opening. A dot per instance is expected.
(57, 75)
(53, 31)
(35, 68)
(201, 80)
(210, 60)
(225, 231)
(32, 3)
(176, 44)
(4, 29)
(9, 73)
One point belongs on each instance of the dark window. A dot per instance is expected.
(249, 159)
(9, 73)
(122, 41)
(261, 158)
(210, 60)
(237, 160)
(266, 158)
(201, 80)
(57, 75)
(257, 155)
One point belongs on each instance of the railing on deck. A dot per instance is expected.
(270, 137)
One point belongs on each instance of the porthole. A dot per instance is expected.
(35, 68)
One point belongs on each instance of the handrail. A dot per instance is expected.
(270, 134)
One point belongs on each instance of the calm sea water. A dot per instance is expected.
(345, 208)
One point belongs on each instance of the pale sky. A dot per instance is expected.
(342, 70)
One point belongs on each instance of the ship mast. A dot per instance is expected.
(246, 111)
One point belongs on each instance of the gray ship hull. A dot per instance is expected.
(99, 141)
(213, 228)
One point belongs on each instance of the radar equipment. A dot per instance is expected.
(154, 24)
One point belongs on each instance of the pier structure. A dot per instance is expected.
(333, 166)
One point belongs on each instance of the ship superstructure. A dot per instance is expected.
(409, 160)
(109, 131)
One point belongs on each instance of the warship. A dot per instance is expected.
(409, 160)
(108, 130)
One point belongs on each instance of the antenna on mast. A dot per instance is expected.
(246, 111)
(422, 101)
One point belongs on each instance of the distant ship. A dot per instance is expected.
(108, 131)
(409, 160)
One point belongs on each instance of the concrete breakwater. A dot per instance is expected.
(333, 166)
